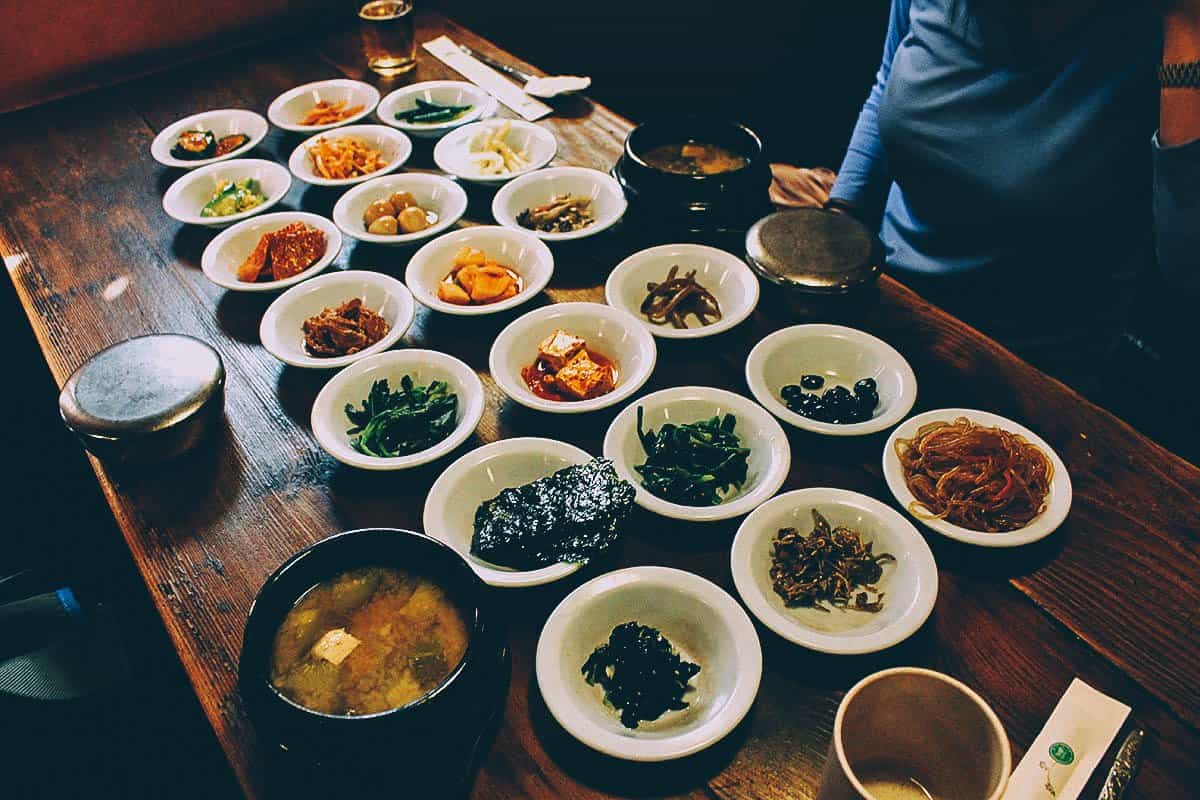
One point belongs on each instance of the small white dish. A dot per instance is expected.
(520, 251)
(432, 192)
(701, 621)
(842, 356)
(481, 475)
(289, 108)
(353, 384)
(1057, 505)
(222, 122)
(909, 584)
(191, 192)
(452, 152)
(769, 461)
(725, 275)
(282, 328)
(444, 93)
(607, 331)
(226, 252)
(394, 145)
(538, 188)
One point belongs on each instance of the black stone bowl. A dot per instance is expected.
(667, 205)
(432, 743)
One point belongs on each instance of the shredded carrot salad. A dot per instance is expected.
(325, 112)
(344, 157)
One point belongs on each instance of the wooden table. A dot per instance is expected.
(1111, 597)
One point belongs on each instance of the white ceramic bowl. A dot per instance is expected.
(481, 475)
(191, 192)
(432, 192)
(222, 122)
(289, 108)
(394, 145)
(608, 331)
(445, 93)
(704, 624)
(1058, 504)
(225, 253)
(909, 584)
(282, 326)
(725, 275)
(538, 188)
(769, 460)
(520, 251)
(842, 356)
(351, 385)
(452, 151)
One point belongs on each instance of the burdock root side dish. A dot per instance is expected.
(974, 476)
(826, 566)
(675, 299)
(344, 330)
(642, 674)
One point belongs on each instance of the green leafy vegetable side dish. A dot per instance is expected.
(427, 113)
(414, 418)
(695, 464)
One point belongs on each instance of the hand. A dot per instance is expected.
(799, 187)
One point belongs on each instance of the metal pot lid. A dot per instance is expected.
(141, 386)
(813, 250)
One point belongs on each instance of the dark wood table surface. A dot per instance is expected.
(1111, 597)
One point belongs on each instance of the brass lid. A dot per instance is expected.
(813, 250)
(139, 388)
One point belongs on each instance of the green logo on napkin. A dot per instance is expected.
(1062, 752)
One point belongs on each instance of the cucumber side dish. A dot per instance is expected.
(232, 197)
(427, 113)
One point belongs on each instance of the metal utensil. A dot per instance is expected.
(537, 86)
(1124, 767)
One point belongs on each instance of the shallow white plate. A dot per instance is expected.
(481, 475)
(452, 152)
(842, 356)
(769, 460)
(1058, 504)
(538, 188)
(909, 584)
(520, 251)
(394, 145)
(282, 326)
(432, 192)
(608, 331)
(725, 275)
(353, 384)
(290, 107)
(226, 252)
(222, 122)
(445, 93)
(191, 192)
(704, 624)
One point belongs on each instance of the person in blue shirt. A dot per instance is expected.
(1020, 159)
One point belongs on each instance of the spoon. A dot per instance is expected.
(536, 86)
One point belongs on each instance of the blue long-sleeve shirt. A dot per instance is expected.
(971, 160)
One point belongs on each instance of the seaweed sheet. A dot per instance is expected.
(569, 516)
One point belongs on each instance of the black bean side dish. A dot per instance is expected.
(642, 675)
(838, 404)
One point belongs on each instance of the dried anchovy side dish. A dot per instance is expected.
(344, 330)
(397, 423)
(693, 464)
(827, 566)
(642, 674)
(675, 299)
(974, 476)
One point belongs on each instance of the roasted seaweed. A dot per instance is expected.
(569, 516)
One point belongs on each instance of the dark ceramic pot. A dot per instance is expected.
(432, 743)
(668, 205)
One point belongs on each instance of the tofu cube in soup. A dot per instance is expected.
(558, 348)
(583, 379)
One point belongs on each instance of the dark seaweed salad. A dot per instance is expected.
(569, 516)
(642, 674)
(694, 464)
(403, 422)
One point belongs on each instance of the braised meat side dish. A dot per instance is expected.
(340, 331)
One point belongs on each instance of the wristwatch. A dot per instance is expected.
(1185, 75)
